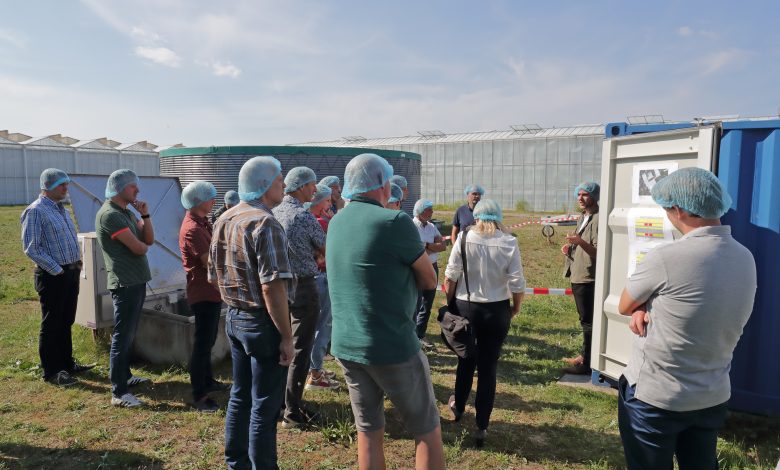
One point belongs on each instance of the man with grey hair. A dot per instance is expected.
(689, 301)
(306, 240)
(248, 262)
(49, 240)
(377, 263)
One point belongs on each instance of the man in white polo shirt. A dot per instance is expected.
(431, 238)
(689, 301)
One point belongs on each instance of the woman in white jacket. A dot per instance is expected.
(495, 274)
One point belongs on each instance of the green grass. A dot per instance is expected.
(536, 423)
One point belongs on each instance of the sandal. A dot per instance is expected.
(455, 413)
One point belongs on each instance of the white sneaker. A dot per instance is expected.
(135, 380)
(128, 400)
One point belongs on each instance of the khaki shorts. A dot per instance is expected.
(408, 386)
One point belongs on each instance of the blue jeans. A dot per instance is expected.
(257, 393)
(128, 302)
(651, 435)
(424, 304)
(324, 323)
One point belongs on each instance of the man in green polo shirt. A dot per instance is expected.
(377, 264)
(124, 240)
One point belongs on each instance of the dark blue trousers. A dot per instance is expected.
(652, 436)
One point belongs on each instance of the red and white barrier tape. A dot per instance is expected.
(534, 222)
(533, 290)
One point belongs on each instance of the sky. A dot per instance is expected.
(241, 72)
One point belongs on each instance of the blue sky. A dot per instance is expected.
(257, 72)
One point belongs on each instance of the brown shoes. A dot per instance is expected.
(573, 361)
(579, 369)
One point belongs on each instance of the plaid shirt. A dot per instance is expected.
(49, 236)
(248, 249)
(304, 235)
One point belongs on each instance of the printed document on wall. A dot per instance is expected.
(648, 228)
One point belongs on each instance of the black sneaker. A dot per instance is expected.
(79, 368)
(206, 406)
(303, 418)
(217, 386)
(62, 379)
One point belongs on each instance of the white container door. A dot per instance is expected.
(632, 223)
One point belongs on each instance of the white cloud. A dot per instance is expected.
(684, 31)
(687, 31)
(13, 38)
(225, 70)
(732, 57)
(159, 55)
(144, 36)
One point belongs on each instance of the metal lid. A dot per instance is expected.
(163, 194)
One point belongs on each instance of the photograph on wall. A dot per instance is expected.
(645, 176)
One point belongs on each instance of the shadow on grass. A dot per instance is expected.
(559, 444)
(24, 456)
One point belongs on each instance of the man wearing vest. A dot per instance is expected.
(580, 268)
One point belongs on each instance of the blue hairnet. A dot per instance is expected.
(396, 193)
(323, 192)
(589, 187)
(473, 188)
(488, 209)
(365, 173)
(420, 206)
(119, 180)
(297, 177)
(52, 177)
(197, 192)
(231, 198)
(256, 177)
(331, 181)
(399, 181)
(694, 190)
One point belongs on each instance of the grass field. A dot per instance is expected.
(536, 423)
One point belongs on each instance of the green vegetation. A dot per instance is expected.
(536, 423)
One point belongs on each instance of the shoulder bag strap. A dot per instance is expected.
(465, 264)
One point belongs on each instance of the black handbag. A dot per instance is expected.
(456, 331)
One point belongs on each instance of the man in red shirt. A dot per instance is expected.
(204, 299)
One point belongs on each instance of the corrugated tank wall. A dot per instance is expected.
(220, 165)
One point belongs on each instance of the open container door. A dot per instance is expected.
(631, 223)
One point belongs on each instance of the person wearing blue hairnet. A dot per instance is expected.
(124, 240)
(49, 240)
(337, 202)
(306, 241)
(376, 264)
(481, 292)
(433, 243)
(248, 261)
(396, 196)
(401, 182)
(319, 378)
(203, 297)
(580, 267)
(231, 200)
(464, 215)
(689, 301)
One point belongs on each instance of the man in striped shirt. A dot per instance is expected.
(49, 239)
(248, 262)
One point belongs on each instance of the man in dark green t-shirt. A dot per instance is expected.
(124, 240)
(376, 264)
